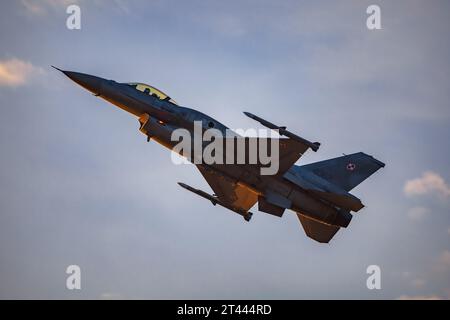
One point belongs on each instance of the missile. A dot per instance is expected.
(214, 200)
(282, 130)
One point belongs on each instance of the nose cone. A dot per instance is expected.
(91, 83)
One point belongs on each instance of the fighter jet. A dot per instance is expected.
(318, 193)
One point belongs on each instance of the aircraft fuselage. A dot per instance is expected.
(159, 118)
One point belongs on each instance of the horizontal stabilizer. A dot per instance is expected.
(316, 230)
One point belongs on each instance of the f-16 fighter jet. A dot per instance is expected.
(318, 193)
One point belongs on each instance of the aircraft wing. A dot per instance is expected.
(228, 191)
(290, 152)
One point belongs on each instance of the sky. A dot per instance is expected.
(81, 186)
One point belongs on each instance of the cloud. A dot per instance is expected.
(448, 230)
(429, 297)
(15, 72)
(33, 7)
(418, 213)
(442, 263)
(444, 259)
(418, 283)
(41, 7)
(122, 6)
(111, 296)
(406, 274)
(429, 183)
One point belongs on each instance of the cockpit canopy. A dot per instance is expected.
(151, 91)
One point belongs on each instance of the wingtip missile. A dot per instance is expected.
(199, 192)
(283, 131)
(184, 185)
(56, 68)
(265, 123)
(246, 214)
(250, 115)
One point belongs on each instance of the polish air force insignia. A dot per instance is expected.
(351, 166)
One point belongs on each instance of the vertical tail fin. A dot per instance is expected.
(346, 171)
